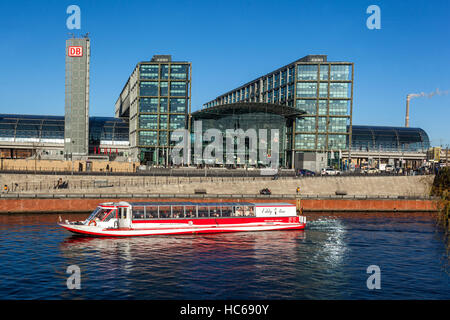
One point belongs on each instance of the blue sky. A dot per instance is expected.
(230, 43)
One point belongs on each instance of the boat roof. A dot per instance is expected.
(187, 203)
(201, 204)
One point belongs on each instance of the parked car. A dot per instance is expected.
(265, 191)
(306, 173)
(373, 171)
(330, 172)
(389, 168)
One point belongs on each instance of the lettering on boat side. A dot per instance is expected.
(374, 281)
(237, 309)
(74, 281)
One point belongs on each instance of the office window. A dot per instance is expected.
(148, 88)
(164, 71)
(177, 105)
(163, 89)
(337, 124)
(290, 90)
(163, 138)
(337, 142)
(306, 89)
(340, 72)
(309, 106)
(307, 72)
(163, 121)
(323, 90)
(322, 107)
(324, 71)
(177, 121)
(291, 74)
(322, 124)
(305, 124)
(178, 88)
(149, 71)
(339, 107)
(305, 141)
(277, 80)
(148, 121)
(321, 141)
(270, 83)
(178, 71)
(147, 138)
(340, 90)
(148, 105)
(163, 105)
(275, 95)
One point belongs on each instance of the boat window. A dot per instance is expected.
(191, 211)
(99, 214)
(178, 211)
(214, 211)
(112, 214)
(151, 212)
(94, 213)
(164, 212)
(138, 213)
(244, 211)
(227, 211)
(203, 212)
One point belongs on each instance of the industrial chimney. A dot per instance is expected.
(407, 111)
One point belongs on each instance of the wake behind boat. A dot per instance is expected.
(124, 219)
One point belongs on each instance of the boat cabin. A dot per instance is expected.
(123, 214)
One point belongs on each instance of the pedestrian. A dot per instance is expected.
(298, 190)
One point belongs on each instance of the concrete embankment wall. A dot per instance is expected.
(384, 186)
(79, 204)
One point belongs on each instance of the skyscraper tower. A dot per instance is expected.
(76, 130)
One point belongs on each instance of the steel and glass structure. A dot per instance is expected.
(155, 101)
(250, 116)
(323, 89)
(76, 134)
(393, 139)
(23, 136)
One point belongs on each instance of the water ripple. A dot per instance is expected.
(326, 261)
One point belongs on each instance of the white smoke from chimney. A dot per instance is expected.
(428, 95)
(418, 95)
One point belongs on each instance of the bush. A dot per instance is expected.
(441, 183)
(441, 188)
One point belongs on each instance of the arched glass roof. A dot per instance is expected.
(50, 129)
(389, 139)
(222, 110)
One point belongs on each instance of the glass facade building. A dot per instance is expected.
(323, 89)
(249, 116)
(389, 139)
(155, 101)
(30, 132)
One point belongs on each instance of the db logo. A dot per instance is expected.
(75, 51)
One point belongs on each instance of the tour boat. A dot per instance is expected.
(125, 219)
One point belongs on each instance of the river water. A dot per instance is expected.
(328, 260)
